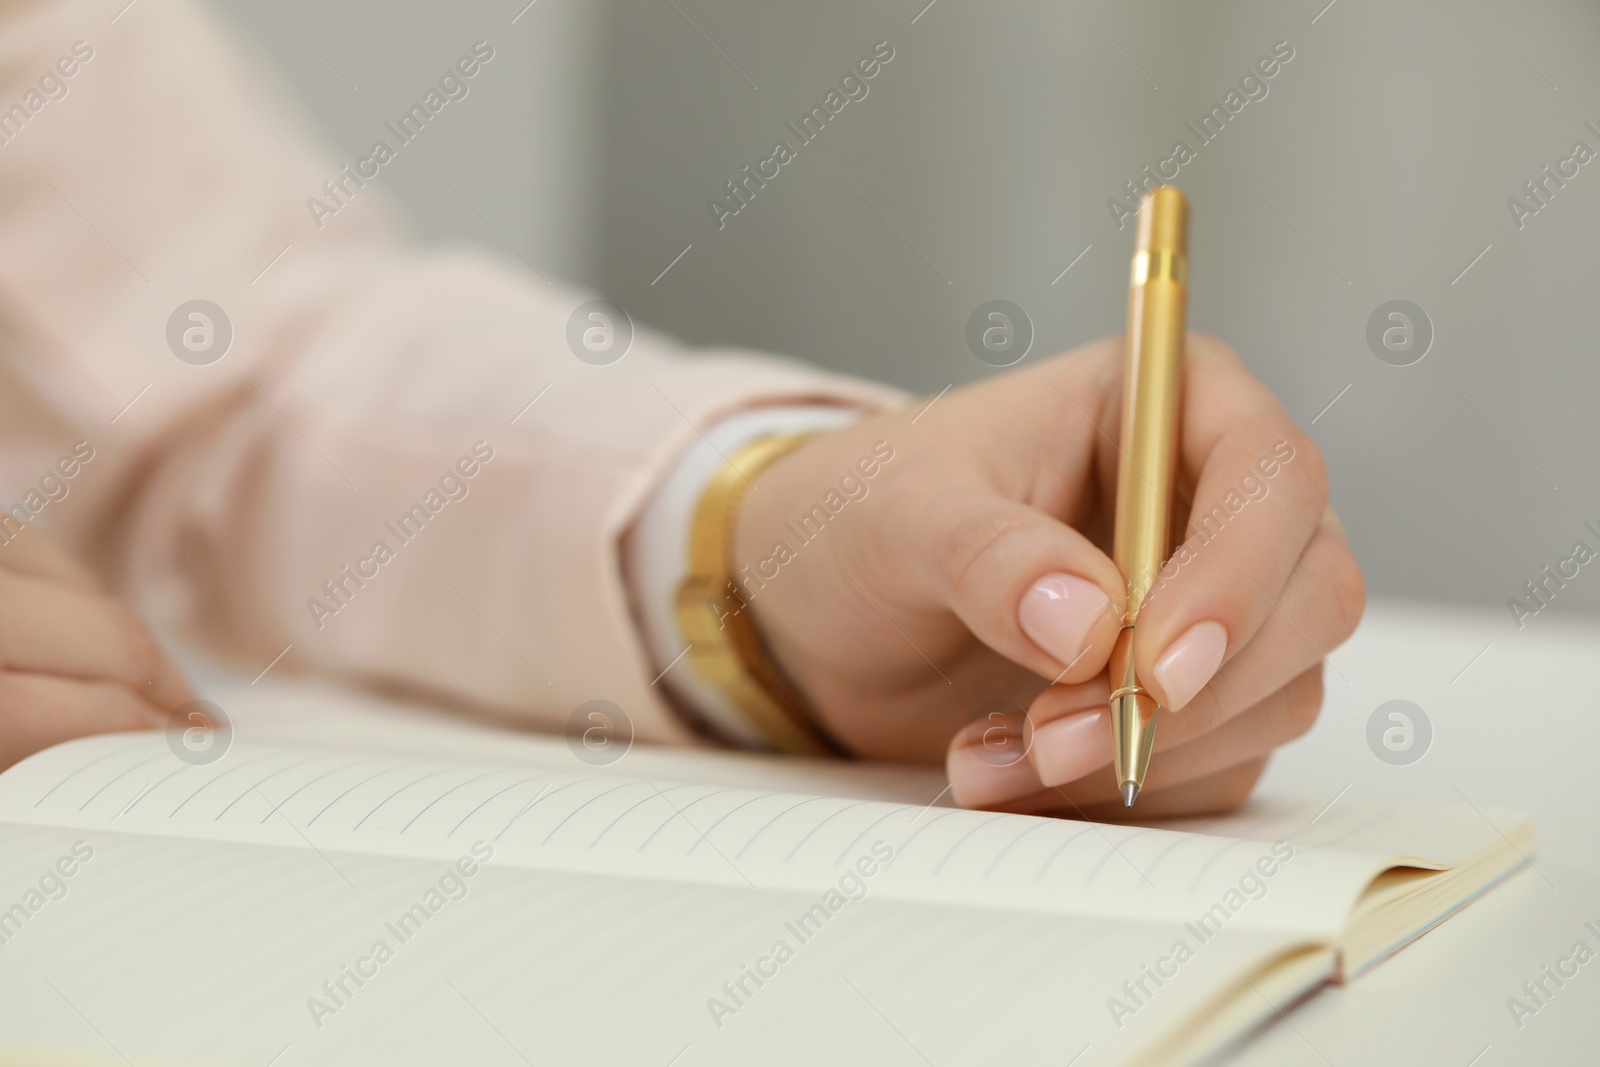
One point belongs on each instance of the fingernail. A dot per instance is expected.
(1190, 662)
(1068, 748)
(1059, 611)
(988, 775)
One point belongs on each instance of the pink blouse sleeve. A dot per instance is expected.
(388, 461)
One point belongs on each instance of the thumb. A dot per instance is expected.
(1028, 586)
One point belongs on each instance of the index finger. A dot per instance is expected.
(1260, 489)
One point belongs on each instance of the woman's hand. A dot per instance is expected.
(74, 660)
(927, 608)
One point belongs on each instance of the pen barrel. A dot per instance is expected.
(1147, 466)
(1152, 390)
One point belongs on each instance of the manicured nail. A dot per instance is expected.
(987, 773)
(1190, 662)
(1070, 747)
(1059, 611)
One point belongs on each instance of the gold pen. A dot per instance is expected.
(1147, 470)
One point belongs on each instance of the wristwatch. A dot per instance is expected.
(726, 648)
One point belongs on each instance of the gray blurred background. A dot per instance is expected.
(1377, 167)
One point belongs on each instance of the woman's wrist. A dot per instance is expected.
(656, 554)
(801, 536)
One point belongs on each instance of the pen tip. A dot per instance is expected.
(1130, 790)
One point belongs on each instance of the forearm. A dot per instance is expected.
(259, 501)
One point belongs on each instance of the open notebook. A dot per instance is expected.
(293, 906)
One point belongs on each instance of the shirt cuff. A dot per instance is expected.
(658, 552)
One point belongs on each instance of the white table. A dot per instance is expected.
(1513, 724)
(1518, 727)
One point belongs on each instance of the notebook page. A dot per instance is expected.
(1428, 836)
(301, 712)
(311, 713)
(170, 950)
(562, 820)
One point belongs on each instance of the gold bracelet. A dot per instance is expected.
(726, 648)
